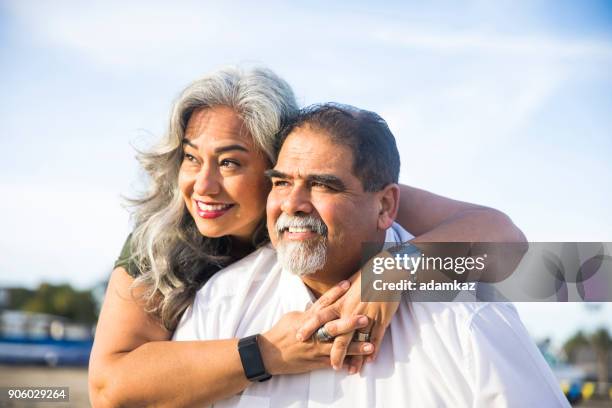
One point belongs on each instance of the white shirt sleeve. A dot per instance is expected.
(507, 368)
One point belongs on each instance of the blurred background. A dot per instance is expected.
(506, 104)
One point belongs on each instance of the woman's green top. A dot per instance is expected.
(125, 260)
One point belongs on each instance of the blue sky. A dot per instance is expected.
(503, 103)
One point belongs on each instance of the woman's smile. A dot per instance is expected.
(211, 209)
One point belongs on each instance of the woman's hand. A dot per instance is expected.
(283, 353)
(332, 314)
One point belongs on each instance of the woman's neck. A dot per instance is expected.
(240, 248)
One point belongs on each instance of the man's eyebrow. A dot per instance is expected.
(329, 179)
(271, 173)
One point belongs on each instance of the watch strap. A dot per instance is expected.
(250, 356)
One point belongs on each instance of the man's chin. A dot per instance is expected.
(302, 258)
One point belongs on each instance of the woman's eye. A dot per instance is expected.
(190, 158)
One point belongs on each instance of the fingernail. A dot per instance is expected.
(363, 320)
(299, 336)
(368, 348)
(335, 367)
(352, 370)
(345, 284)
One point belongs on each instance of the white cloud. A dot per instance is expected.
(534, 45)
(59, 233)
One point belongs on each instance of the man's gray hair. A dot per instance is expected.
(167, 248)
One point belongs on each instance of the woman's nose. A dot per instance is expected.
(207, 181)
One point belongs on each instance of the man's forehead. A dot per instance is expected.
(309, 150)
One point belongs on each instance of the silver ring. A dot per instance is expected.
(323, 336)
(360, 336)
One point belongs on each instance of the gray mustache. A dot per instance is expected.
(304, 221)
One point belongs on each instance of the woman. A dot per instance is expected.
(204, 211)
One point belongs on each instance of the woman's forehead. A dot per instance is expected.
(216, 126)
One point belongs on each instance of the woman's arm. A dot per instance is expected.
(133, 363)
(430, 218)
(433, 218)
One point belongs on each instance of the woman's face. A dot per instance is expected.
(222, 174)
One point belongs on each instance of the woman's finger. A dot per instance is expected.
(346, 325)
(376, 338)
(354, 363)
(360, 348)
(355, 348)
(331, 295)
(339, 349)
(313, 321)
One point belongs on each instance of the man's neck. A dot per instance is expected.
(323, 280)
(317, 287)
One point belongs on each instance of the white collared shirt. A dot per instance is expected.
(432, 355)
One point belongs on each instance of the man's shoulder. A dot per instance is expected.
(462, 320)
(463, 312)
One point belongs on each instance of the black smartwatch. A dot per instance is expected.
(250, 356)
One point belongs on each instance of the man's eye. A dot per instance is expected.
(320, 185)
(229, 164)
(279, 183)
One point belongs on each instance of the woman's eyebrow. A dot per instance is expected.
(218, 150)
(189, 143)
(228, 148)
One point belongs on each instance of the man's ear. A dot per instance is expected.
(388, 205)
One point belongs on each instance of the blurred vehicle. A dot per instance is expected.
(36, 338)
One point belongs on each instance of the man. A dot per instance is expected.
(334, 187)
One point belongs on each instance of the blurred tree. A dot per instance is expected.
(601, 342)
(17, 297)
(573, 344)
(60, 300)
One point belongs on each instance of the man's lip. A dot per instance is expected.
(298, 236)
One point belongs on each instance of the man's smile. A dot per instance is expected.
(298, 233)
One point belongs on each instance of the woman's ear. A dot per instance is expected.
(388, 205)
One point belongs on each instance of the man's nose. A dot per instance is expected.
(207, 181)
(297, 201)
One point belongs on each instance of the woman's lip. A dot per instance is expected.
(212, 214)
(208, 214)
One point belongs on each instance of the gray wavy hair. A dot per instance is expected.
(173, 257)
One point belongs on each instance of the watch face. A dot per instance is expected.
(250, 356)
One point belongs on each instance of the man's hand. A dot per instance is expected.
(283, 353)
(334, 315)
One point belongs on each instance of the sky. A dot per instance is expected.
(506, 104)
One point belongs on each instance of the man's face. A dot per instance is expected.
(318, 212)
